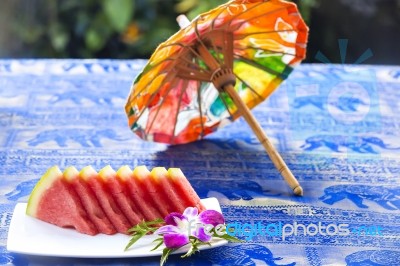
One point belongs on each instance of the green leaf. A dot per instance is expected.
(98, 33)
(142, 229)
(59, 36)
(185, 5)
(193, 248)
(160, 240)
(118, 12)
(134, 239)
(165, 254)
(30, 34)
(93, 40)
(156, 221)
(229, 238)
(146, 226)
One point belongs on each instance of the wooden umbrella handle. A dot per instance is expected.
(269, 148)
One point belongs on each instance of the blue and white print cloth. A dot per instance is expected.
(336, 126)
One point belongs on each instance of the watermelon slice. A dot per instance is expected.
(89, 201)
(120, 194)
(167, 194)
(137, 191)
(107, 202)
(183, 188)
(52, 196)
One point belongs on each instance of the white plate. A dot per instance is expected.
(30, 236)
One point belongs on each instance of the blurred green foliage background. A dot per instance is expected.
(134, 28)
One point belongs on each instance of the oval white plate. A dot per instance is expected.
(30, 236)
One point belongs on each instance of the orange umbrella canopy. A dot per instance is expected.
(175, 99)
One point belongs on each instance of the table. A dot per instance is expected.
(337, 127)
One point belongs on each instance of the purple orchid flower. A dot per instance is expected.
(179, 227)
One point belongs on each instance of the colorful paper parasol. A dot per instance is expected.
(218, 67)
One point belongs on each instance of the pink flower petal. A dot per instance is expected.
(211, 217)
(201, 235)
(190, 213)
(170, 219)
(167, 229)
(175, 240)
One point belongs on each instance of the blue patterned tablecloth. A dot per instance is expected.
(337, 127)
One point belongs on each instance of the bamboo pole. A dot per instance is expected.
(269, 148)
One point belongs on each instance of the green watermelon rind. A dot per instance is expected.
(46, 181)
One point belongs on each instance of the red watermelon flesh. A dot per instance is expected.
(119, 193)
(107, 202)
(166, 192)
(90, 202)
(137, 192)
(151, 193)
(52, 196)
(183, 188)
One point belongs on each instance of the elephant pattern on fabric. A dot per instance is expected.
(85, 137)
(235, 255)
(21, 190)
(233, 190)
(395, 74)
(239, 142)
(348, 103)
(388, 198)
(7, 258)
(373, 258)
(360, 144)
